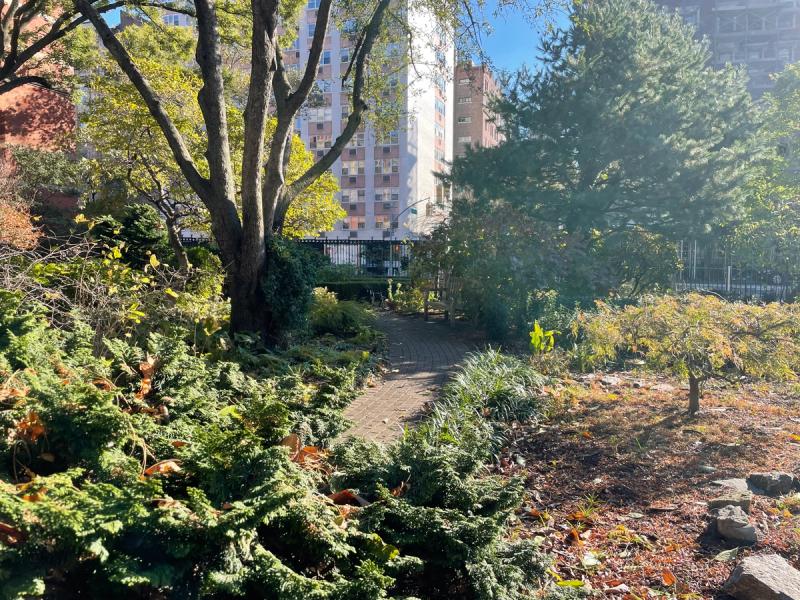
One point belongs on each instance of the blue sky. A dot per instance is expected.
(514, 40)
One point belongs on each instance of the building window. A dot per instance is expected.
(387, 165)
(464, 120)
(785, 54)
(344, 55)
(313, 4)
(786, 21)
(357, 141)
(465, 100)
(464, 81)
(174, 20)
(440, 106)
(391, 138)
(352, 167)
(325, 59)
(320, 141)
(465, 139)
(312, 27)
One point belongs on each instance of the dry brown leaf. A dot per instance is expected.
(348, 497)
(400, 490)
(668, 578)
(10, 535)
(104, 384)
(30, 426)
(293, 442)
(164, 467)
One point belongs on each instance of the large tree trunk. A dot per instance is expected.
(694, 394)
(249, 309)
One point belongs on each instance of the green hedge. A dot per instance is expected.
(359, 289)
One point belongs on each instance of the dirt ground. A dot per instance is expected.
(618, 482)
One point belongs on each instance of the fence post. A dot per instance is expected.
(728, 280)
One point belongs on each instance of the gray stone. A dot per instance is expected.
(765, 577)
(707, 469)
(610, 380)
(733, 524)
(732, 498)
(774, 483)
(739, 485)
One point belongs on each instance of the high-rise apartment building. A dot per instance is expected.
(388, 182)
(473, 125)
(763, 35)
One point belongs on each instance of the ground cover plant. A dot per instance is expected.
(149, 461)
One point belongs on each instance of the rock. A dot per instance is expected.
(774, 483)
(733, 524)
(610, 380)
(765, 577)
(732, 498)
(739, 485)
(706, 469)
(663, 387)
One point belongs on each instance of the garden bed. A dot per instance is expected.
(617, 487)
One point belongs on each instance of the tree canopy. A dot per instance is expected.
(129, 148)
(624, 140)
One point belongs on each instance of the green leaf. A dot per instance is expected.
(98, 550)
(727, 555)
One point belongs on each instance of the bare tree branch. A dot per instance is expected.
(354, 119)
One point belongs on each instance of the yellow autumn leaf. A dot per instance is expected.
(154, 261)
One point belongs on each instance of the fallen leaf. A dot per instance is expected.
(398, 491)
(668, 578)
(103, 383)
(573, 537)
(163, 467)
(293, 442)
(10, 535)
(348, 497)
(179, 443)
(727, 555)
(31, 426)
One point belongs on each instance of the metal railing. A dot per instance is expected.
(737, 283)
(377, 258)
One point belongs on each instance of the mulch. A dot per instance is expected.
(617, 483)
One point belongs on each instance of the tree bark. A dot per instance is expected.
(694, 394)
(174, 237)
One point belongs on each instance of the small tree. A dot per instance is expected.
(701, 337)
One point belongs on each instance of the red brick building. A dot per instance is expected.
(473, 126)
(35, 117)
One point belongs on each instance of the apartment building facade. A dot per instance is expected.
(388, 182)
(473, 126)
(762, 35)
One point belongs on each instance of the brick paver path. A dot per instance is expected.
(421, 356)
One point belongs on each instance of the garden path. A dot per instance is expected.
(422, 354)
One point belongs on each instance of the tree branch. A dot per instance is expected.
(354, 119)
(171, 133)
(299, 96)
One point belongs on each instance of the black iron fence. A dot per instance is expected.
(737, 283)
(377, 258)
